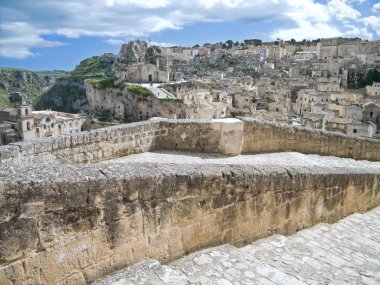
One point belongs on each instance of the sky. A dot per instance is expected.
(58, 34)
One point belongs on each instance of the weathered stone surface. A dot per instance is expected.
(226, 136)
(263, 136)
(85, 221)
(344, 253)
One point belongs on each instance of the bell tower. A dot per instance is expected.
(25, 119)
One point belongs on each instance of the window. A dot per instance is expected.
(26, 112)
(52, 125)
(371, 114)
(355, 131)
(28, 126)
(44, 126)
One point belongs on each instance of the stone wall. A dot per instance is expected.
(226, 136)
(85, 146)
(221, 135)
(264, 136)
(72, 223)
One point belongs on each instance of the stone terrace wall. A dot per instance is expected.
(89, 146)
(226, 136)
(72, 223)
(263, 136)
(223, 136)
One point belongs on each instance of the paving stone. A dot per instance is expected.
(343, 253)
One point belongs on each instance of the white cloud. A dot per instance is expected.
(373, 22)
(18, 38)
(306, 30)
(162, 44)
(375, 7)
(114, 42)
(342, 10)
(117, 20)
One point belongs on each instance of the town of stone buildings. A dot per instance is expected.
(247, 163)
(327, 84)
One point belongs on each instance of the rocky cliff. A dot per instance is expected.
(33, 84)
(68, 94)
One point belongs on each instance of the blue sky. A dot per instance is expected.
(56, 34)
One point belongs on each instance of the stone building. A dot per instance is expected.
(139, 63)
(22, 123)
(328, 84)
(373, 90)
(372, 113)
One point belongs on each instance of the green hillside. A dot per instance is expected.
(33, 84)
(68, 93)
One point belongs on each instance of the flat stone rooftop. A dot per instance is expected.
(347, 252)
(277, 159)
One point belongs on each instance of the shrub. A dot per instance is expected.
(103, 83)
(139, 90)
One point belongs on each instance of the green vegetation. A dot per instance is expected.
(62, 96)
(31, 83)
(103, 83)
(373, 75)
(107, 119)
(68, 93)
(99, 67)
(237, 113)
(139, 90)
(131, 120)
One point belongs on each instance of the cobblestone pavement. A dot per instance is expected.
(347, 252)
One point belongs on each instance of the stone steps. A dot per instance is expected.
(344, 253)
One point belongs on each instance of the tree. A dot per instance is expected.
(237, 44)
(196, 46)
(229, 43)
(253, 42)
(293, 41)
(373, 75)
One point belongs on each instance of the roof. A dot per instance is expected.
(340, 120)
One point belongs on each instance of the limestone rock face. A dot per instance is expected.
(133, 52)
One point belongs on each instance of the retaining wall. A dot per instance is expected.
(263, 136)
(226, 136)
(73, 223)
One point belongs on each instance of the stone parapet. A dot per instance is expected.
(225, 136)
(73, 223)
(262, 136)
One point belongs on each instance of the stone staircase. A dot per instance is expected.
(347, 252)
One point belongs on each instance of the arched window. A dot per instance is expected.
(26, 112)
(28, 125)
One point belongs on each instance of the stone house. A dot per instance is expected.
(328, 84)
(366, 129)
(307, 98)
(373, 90)
(354, 112)
(372, 113)
(351, 127)
(29, 125)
